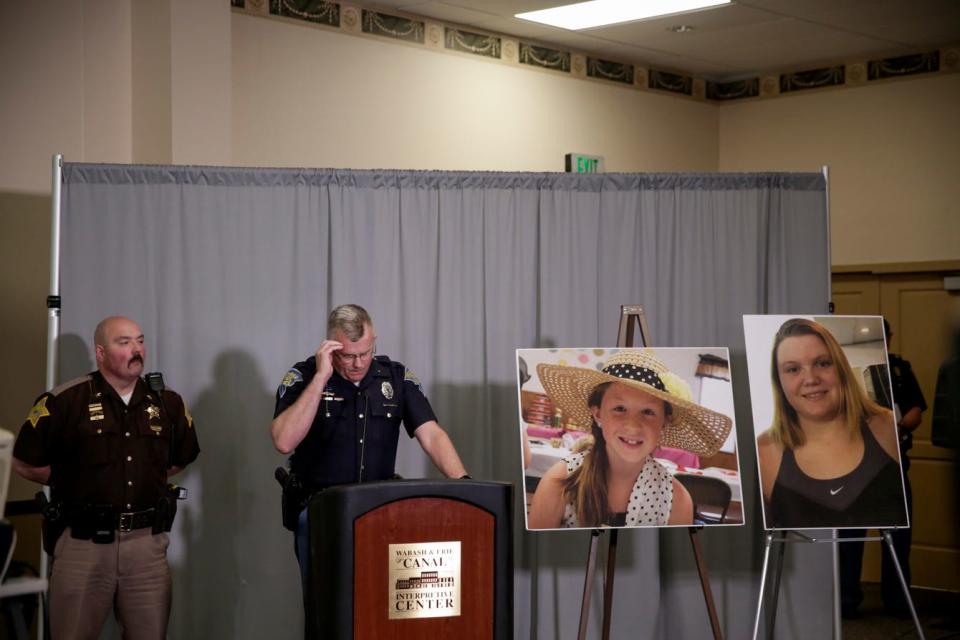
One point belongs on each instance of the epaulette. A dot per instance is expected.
(68, 384)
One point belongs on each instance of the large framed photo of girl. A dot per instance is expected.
(628, 438)
(827, 444)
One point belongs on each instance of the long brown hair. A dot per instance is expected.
(586, 486)
(856, 406)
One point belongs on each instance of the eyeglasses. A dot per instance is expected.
(355, 357)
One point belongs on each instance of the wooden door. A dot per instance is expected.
(917, 307)
(856, 295)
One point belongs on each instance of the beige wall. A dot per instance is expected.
(200, 94)
(181, 81)
(150, 66)
(66, 88)
(305, 96)
(893, 152)
(24, 279)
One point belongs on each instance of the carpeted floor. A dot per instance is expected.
(939, 614)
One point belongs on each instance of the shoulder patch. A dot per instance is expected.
(38, 412)
(290, 378)
(187, 415)
(410, 376)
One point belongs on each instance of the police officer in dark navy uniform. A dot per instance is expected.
(909, 404)
(339, 412)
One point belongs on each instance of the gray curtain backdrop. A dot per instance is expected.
(231, 273)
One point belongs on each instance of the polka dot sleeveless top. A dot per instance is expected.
(650, 500)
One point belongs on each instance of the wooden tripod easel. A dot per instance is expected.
(632, 315)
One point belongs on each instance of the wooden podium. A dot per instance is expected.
(410, 559)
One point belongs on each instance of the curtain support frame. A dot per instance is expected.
(825, 170)
(53, 333)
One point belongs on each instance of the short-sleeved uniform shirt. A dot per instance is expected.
(354, 435)
(102, 451)
(907, 395)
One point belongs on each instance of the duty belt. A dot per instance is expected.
(130, 520)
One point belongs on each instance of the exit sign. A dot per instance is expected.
(582, 163)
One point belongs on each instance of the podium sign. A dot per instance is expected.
(424, 580)
(411, 559)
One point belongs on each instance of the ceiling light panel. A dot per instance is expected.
(597, 13)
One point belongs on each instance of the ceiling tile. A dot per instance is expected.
(446, 12)
(710, 20)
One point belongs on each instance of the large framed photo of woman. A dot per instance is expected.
(628, 438)
(827, 443)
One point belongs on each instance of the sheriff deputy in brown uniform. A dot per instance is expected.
(107, 444)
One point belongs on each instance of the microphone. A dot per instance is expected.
(155, 382)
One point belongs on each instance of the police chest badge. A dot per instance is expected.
(153, 411)
(387, 390)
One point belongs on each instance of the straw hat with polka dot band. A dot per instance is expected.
(691, 427)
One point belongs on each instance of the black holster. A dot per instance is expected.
(293, 499)
(166, 510)
(54, 521)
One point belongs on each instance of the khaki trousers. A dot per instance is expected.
(130, 576)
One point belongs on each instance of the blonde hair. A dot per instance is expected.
(855, 405)
(350, 319)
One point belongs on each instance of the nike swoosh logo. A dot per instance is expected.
(834, 492)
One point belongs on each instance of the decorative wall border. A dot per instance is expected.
(424, 32)
(672, 82)
(398, 27)
(314, 11)
(544, 57)
(735, 90)
(610, 70)
(479, 44)
(812, 79)
(903, 65)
